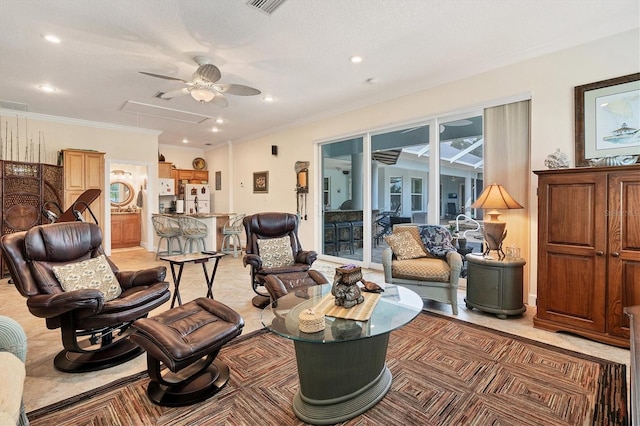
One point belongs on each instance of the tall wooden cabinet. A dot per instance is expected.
(84, 170)
(588, 251)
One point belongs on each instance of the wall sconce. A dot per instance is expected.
(302, 187)
(495, 197)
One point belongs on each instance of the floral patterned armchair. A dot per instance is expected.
(423, 258)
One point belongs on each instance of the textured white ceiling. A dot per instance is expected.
(299, 54)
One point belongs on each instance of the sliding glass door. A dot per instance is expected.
(399, 181)
(342, 198)
(461, 175)
(427, 172)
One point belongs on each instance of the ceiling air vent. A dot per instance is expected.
(265, 6)
(17, 106)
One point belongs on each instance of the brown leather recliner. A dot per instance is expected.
(268, 226)
(94, 332)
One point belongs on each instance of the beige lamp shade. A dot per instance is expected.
(495, 197)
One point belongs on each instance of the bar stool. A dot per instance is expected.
(357, 227)
(344, 231)
(330, 238)
(168, 230)
(231, 231)
(193, 231)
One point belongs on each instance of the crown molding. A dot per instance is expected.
(77, 122)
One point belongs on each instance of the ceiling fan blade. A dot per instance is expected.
(175, 93)
(237, 89)
(209, 73)
(220, 100)
(166, 77)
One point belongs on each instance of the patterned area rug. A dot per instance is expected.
(445, 372)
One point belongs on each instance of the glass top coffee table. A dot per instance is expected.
(342, 369)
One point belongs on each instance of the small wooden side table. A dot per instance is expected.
(495, 286)
(201, 258)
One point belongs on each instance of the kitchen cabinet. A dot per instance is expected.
(164, 170)
(191, 176)
(588, 251)
(84, 170)
(125, 230)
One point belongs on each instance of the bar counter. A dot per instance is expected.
(214, 221)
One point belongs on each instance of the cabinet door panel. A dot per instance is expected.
(572, 244)
(73, 170)
(201, 175)
(94, 171)
(624, 249)
(565, 202)
(572, 295)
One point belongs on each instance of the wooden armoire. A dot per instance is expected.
(588, 251)
(84, 170)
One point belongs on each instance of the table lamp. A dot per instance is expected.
(495, 197)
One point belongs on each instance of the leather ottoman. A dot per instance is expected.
(279, 285)
(187, 340)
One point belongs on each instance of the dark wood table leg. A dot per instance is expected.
(208, 279)
(176, 283)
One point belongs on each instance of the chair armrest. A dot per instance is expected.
(129, 279)
(275, 287)
(306, 257)
(387, 259)
(53, 305)
(252, 259)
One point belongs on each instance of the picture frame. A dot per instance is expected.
(261, 182)
(607, 119)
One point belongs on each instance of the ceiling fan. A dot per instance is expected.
(204, 86)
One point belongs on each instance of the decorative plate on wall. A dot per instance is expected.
(198, 163)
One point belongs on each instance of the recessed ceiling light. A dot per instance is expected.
(268, 98)
(355, 59)
(219, 120)
(185, 141)
(51, 38)
(215, 129)
(47, 88)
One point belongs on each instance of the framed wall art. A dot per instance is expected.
(260, 182)
(607, 119)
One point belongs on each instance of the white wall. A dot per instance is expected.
(140, 146)
(549, 80)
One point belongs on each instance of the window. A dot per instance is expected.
(416, 194)
(395, 193)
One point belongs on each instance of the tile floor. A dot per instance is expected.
(45, 385)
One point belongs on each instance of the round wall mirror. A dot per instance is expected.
(120, 193)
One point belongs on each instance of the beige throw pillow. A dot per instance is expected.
(404, 245)
(276, 252)
(91, 273)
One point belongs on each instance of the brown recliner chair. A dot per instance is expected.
(275, 227)
(94, 331)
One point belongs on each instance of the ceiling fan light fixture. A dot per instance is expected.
(202, 95)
